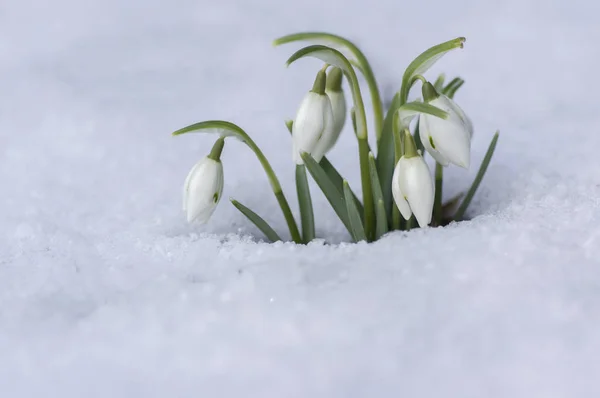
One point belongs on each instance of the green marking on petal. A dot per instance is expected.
(216, 197)
(431, 142)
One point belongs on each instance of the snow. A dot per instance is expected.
(106, 291)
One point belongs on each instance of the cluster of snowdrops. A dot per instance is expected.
(399, 192)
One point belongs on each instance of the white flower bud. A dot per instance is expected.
(312, 130)
(203, 187)
(446, 140)
(412, 186)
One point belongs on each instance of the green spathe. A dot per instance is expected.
(217, 149)
(334, 80)
(429, 92)
(410, 149)
(320, 83)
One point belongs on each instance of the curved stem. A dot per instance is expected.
(363, 154)
(228, 129)
(418, 77)
(373, 90)
(276, 186)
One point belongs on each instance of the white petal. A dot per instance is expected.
(204, 190)
(452, 107)
(326, 141)
(426, 139)
(399, 196)
(417, 185)
(186, 184)
(451, 136)
(338, 106)
(309, 123)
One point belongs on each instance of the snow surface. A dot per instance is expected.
(105, 291)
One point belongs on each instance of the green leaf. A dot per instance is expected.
(425, 61)
(338, 180)
(482, 169)
(439, 82)
(257, 220)
(381, 226)
(332, 173)
(334, 57)
(220, 127)
(334, 196)
(452, 87)
(305, 204)
(408, 111)
(357, 229)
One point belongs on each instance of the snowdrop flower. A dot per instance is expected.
(204, 185)
(446, 140)
(412, 185)
(312, 130)
(338, 105)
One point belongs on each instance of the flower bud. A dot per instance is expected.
(313, 127)
(412, 186)
(203, 186)
(447, 140)
(338, 105)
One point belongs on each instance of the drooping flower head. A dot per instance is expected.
(447, 140)
(204, 185)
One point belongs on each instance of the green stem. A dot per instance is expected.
(437, 203)
(226, 129)
(276, 186)
(365, 179)
(363, 153)
(217, 149)
(374, 91)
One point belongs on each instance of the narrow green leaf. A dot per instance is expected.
(444, 90)
(338, 180)
(452, 87)
(332, 173)
(305, 204)
(439, 82)
(220, 127)
(450, 207)
(408, 111)
(261, 224)
(334, 196)
(381, 218)
(482, 169)
(357, 229)
(425, 61)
